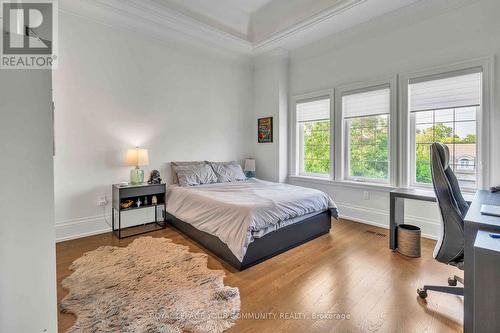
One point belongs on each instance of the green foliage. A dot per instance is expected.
(317, 147)
(369, 149)
(438, 133)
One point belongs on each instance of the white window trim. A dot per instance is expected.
(294, 163)
(400, 136)
(483, 120)
(340, 138)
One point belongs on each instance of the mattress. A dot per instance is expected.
(239, 212)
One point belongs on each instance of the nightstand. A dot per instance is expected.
(144, 194)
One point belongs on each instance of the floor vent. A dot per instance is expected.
(376, 233)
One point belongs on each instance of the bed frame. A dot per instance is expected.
(263, 248)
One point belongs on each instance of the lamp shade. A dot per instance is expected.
(249, 165)
(137, 157)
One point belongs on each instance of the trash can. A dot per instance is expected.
(409, 240)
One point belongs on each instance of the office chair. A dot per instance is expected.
(452, 206)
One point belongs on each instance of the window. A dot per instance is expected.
(466, 163)
(444, 109)
(313, 133)
(366, 115)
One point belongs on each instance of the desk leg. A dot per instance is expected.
(470, 236)
(397, 212)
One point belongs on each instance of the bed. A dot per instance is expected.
(246, 222)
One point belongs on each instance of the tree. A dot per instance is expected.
(424, 138)
(368, 147)
(317, 147)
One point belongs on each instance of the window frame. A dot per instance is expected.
(465, 166)
(400, 130)
(407, 170)
(412, 152)
(296, 138)
(342, 131)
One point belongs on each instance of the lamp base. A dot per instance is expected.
(136, 176)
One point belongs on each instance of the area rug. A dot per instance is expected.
(152, 285)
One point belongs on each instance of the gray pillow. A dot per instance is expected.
(175, 180)
(228, 171)
(194, 174)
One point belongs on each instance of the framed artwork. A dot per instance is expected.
(265, 129)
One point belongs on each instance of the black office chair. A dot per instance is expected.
(452, 206)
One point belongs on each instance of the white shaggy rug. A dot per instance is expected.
(152, 285)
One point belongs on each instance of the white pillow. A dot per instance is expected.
(228, 171)
(174, 164)
(195, 174)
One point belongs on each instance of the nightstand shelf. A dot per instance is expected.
(138, 193)
(142, 207)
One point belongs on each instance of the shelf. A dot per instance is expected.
(141, 207)
(139, 229)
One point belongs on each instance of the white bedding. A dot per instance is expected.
(238, 212)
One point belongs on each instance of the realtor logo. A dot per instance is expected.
(29, 34)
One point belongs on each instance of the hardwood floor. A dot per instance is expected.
(350, 271)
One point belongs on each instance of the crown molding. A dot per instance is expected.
(148, 17)
(276, 38)
(161, 22)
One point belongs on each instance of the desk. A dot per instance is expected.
(475, 221)
(397, 209)
(486, 283)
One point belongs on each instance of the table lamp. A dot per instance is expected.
(137, 157)
(249, 167)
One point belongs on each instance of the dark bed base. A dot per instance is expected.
(263, 248)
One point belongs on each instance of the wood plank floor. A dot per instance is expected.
(350, 271)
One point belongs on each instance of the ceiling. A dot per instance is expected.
(244, 26)
(258, 20)
(248, 6)
(252, 20)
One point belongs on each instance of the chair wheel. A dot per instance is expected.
(422, 293)
(452, 282)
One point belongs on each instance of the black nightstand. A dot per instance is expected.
(135, 193)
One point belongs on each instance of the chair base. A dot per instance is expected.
(451, 289)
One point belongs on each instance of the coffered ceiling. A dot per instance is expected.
(244, 26)
(232, 16)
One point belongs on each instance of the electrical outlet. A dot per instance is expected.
(366, 195)
(103, 201)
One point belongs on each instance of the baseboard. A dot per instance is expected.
(93, 225)
(81, 227)
(99, 224)
(380, 218)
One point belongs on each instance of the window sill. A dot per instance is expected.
(344, 183)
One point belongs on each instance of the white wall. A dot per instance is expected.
(183, 103)
(116, 89)
(405, 41)
(270, 99)
(27, 240)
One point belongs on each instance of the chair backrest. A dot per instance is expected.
(452, 206)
